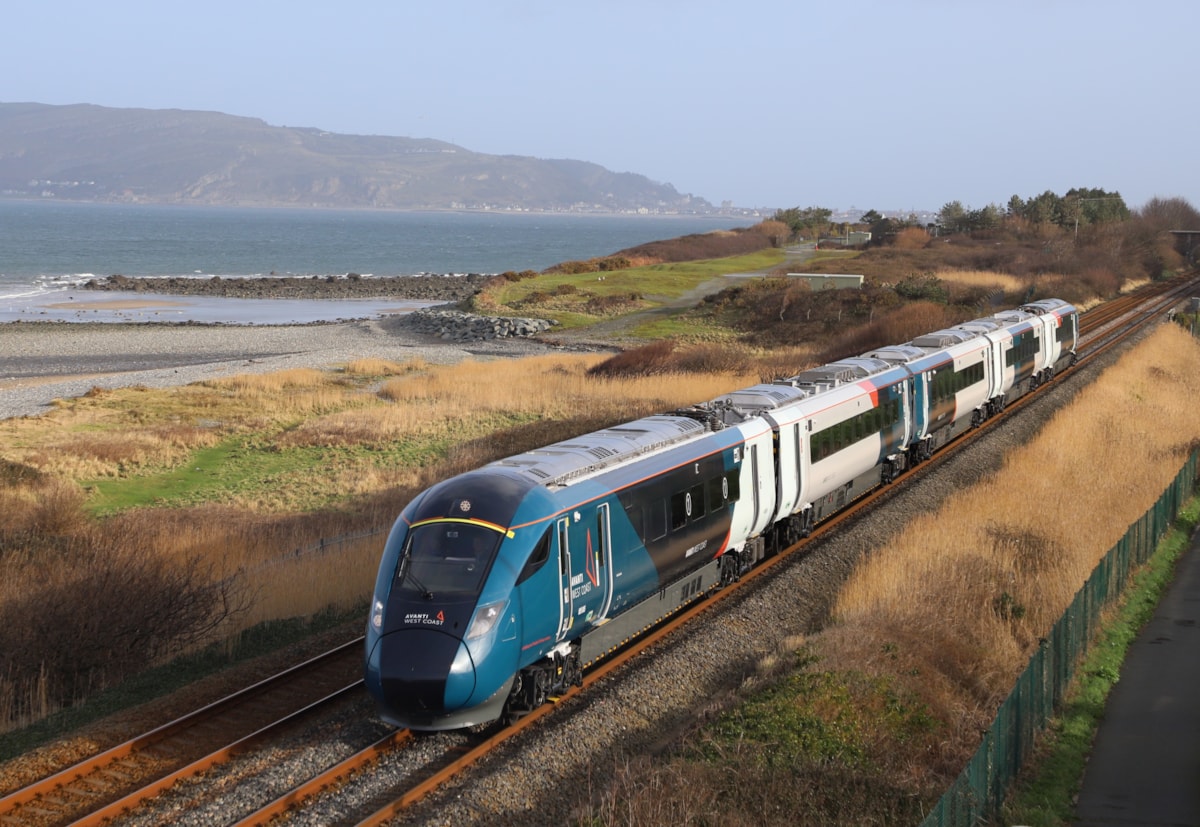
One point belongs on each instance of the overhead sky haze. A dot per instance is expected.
(872, 104)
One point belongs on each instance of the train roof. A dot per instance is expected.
(564, 461)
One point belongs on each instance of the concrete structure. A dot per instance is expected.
(827, 281)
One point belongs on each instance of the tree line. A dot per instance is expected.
(1076, 209)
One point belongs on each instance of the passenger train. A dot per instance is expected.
(499, 586)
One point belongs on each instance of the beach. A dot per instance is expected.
(44, 361)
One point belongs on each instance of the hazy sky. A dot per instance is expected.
(885, 105)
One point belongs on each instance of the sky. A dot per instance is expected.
(893, 106)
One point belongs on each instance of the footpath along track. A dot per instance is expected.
(357, 799)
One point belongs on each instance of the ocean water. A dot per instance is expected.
(51, 247)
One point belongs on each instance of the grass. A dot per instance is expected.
(254, 474)
(1044, 795)
(887, 703)
(273, 492)
(263, 639)
(565, 298)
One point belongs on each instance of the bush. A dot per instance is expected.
(647, 360)
(95, 612)
(910, 238)
(605, 305)
(924, 287)
(509, 275)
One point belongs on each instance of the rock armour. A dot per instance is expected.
(455, 325)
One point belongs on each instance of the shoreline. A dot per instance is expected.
(41, 362)
(429, 287)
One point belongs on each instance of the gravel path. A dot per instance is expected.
(43, 362)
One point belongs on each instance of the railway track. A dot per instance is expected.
(1101, 329)
(116, 780)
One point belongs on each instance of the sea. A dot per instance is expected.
(48, 249)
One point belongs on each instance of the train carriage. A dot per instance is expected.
(498, 586)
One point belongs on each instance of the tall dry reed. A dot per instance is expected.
(962, 596)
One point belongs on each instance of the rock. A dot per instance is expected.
(459, 326)
(452, 287)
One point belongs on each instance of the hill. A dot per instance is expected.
(94, 153)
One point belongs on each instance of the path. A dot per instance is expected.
(616, 330)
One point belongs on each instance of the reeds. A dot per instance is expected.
(932, 629)
(288, 543)
(962, 596)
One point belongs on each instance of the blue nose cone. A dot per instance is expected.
(423, 673)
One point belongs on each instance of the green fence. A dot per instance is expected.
(978, 792)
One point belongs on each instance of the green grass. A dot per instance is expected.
(1045, 791)
(247, 464)
(813, 718)
(683, 326)
(253, 464)
(658, 281)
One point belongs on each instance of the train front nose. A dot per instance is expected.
(422, 674)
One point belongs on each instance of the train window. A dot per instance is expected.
(733, 487)
(680, 506)
(541, 553)
(697, 501)
(818, 446)
(447, 558)
(716, 495)
(656, 520)
(564, 548)
(634, 512)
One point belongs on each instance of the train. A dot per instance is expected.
(498, 587)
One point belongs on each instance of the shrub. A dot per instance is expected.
(509, 275)
(647, 360)
(923, 287)
(572, 268)
(97, 612)
(910, 238)
(604, 305)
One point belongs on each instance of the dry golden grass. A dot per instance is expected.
(302, 584)
(255, 541)
(985, 279)
(270, 383)
(545, 386)
(962, 596)
(382, 367)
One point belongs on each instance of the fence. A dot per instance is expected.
(978, 792)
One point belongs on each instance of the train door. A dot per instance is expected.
(604, 560)
(797, 459)
(587, 536)
(566, 603)
(754, 478)
(922, 392)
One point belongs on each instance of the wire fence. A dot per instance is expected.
(978, 792)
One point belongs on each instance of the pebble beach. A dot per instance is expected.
(223, 327)
(42, 362)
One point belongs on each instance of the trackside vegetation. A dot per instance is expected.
(870, 720)
(197, 517)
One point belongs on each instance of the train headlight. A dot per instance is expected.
(485, 619)
(377, 615)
